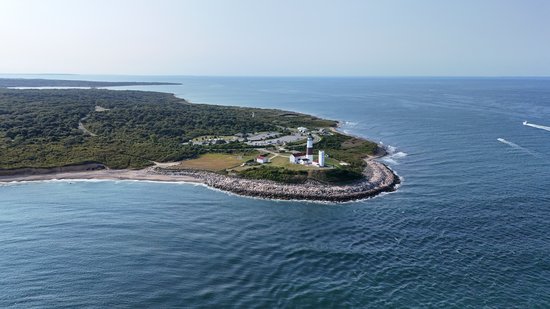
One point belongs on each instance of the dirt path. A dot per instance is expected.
(166, 164)
(82, 128)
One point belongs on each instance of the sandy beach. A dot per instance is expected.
(106, 174)
(378, 178)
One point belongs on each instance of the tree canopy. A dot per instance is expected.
(40, 128)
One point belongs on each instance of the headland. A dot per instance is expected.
(378, 178)
(139, 135)
(38, 82)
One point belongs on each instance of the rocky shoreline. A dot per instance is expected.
(378, 178)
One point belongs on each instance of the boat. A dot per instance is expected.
(525, 123)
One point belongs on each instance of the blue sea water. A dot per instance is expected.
(468, 228)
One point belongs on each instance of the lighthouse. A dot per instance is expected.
(309, 148)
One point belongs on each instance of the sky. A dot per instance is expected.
(276, 37)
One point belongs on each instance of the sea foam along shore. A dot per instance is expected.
(378, 178)
(88, 171)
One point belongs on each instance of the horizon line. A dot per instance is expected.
(286, 76)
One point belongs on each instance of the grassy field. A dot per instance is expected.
(284, 162)
(330, 162)
(216, 161)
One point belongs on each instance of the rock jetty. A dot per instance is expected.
(378, 178)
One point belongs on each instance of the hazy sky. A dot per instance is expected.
(276, 37)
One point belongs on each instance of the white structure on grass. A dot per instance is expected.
(321, 158)
(302, 130)
(306, 158)
(298, 158)
(262, 159)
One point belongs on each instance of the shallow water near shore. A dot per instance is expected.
(468, 227)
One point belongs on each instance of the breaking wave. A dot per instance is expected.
(393, 155)
(350, 123)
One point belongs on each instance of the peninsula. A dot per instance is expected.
(38, 82)
(116, 134)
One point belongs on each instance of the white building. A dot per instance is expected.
(262, 159)
(295, 158)
(321, 159)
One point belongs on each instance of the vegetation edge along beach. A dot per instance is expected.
(119, 134)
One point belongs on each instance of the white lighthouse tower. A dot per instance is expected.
(309, 148)
(321, 158)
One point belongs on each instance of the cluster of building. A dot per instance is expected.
(307, 157)
(304, 158)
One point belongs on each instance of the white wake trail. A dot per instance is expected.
(509, 143)
(536, 126)
(516, 146)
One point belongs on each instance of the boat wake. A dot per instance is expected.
(516, 146)
(536, 126)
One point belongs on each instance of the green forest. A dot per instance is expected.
(40, 128)
(38, 82)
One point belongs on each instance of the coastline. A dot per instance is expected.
(378, 179)
(102, 174)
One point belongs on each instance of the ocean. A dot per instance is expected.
(469, 226)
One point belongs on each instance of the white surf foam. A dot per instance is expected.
(350, 123)
(389, 160)
(116, 181)
(391, 149)
(536, 126)
(393, 155)
(399, 155)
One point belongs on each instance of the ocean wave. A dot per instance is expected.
(120, 181)
(393, 155)
(350, 123)
(399, 155)
(54, 180)
(94, 180)
(391, 149)
(389, 160)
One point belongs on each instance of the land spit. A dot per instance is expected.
(378, 178)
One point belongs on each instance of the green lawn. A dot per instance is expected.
(217, 161)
